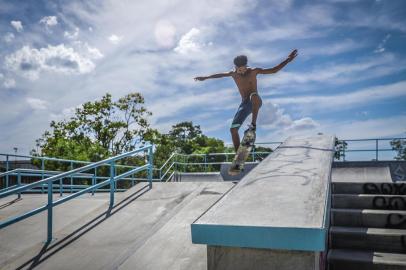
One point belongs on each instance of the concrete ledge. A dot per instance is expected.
(281, 204)
(305, 239)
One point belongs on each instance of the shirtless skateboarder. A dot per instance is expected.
(246, 79)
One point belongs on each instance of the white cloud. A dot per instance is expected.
(93, 52)
(165, 33)
(371, 128)
(9, 83)
(341, 46)
(271, 116)
(338, 74)
(172, 105)
(30, 62)
(381, 46)
(349, 99)
(36, 103)
(191, 42)
(49, 21)
(115, 39)
(8, 37)
(18, 26)
(72, 35)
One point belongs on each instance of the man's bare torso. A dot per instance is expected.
(246, 83)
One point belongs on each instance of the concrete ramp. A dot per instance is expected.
(361, 174)
(147, 229)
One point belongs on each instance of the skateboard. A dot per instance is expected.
(247, 142)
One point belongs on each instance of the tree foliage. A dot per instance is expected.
(183, 138)
(340, 147)
(97, 130)
(399, 145)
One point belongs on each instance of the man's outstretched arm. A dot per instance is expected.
(275, 69)
(214, 76)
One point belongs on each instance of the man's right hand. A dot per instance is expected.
(200, 78)
(292, 55)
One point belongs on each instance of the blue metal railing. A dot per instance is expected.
(61, 187)
(43, 159)
(376, 150)
(174, 165)
(50, 180)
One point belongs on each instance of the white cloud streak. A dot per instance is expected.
(49, 21)
(30, 62)
(9, 37)
(352, 99)
(36, 103)
(115, 39)
(18, 26)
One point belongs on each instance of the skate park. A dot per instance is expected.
(294, 209)
(203, 135)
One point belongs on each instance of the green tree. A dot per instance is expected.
(340, 147)
(97, 130)
(184, 138)
(399, 145)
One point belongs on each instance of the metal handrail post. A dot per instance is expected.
(115, 183)
(49, 206)
(344, 144)
(71, 178)
(94, 179)
(150, 161)
(60, 187)
(7, 168)
(19, 184)
(42, 175)
(112, 172)
(205, 163)
(376, 149)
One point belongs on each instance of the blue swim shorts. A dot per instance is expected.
(244, 110)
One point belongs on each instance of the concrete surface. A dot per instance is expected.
(381, 239)
(368, 226)
(229, 258)
(147, 229)
(369, 188)
(368, 201)
(281, 204)
(342, 259)
(361, 174)
(397, 168)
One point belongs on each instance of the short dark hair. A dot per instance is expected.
(240, 60)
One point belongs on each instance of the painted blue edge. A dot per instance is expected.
(305, 239)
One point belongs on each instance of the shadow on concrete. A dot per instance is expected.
(9, 203)
(49, 250)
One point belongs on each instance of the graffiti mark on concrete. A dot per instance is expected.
(397, 221)
(385, 188)
(390, 203)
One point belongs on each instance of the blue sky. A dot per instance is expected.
(349, 78)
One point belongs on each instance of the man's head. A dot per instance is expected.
(240, 63)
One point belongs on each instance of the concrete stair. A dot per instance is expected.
(368, 226)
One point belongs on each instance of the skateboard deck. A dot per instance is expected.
(247, 142)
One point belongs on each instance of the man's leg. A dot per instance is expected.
(235, 137)
(256, 104)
